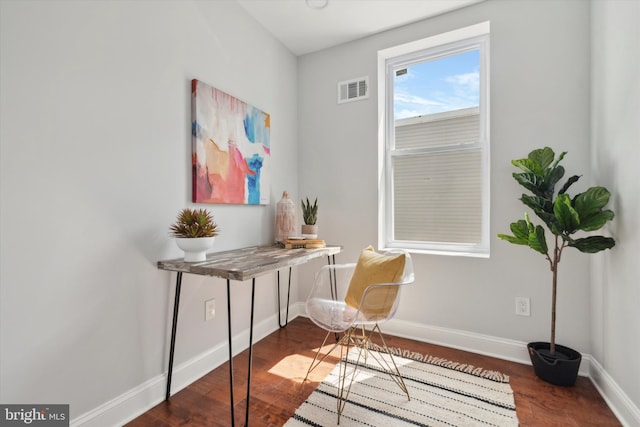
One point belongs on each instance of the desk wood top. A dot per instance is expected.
(247, 263)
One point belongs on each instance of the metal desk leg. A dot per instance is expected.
(333, 284)
(286, 319)
(176, 304)
(253, 294)
(233, 418)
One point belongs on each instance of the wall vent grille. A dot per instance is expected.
(353, 90)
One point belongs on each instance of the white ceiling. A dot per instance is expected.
(304, 30)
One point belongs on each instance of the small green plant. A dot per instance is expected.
(193, 223)
(310, 212)
(562, 214)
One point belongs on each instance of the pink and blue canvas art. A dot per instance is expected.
(231, 148)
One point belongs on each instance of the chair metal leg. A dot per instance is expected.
(342, 375)
(362, 339)
(343, 393)
(314, 364)
(392, 371)
(347, 339)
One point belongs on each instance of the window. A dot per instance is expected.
(434, 144)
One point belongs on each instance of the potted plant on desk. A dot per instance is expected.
(309, 216)
(563, 215)
(194, 231)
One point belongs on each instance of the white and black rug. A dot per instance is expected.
(443, 393)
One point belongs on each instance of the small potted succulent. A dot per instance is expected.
(309, 216)
(563, 216)
(194, 231)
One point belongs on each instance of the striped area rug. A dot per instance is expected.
(443, 393)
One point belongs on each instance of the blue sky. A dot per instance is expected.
(436, 86)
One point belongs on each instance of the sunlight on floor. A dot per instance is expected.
(295, 366)
(360, 376)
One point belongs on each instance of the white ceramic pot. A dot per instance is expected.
(195, 249)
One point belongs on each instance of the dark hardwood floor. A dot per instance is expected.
(280, 362)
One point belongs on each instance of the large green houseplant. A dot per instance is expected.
(563, 216)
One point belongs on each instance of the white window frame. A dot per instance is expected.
(388, 60)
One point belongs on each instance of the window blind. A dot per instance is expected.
(438, 194)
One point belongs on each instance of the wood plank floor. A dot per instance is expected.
(280, 362)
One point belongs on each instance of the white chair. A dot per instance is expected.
(352, 300)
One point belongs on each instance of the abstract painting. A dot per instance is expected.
(230, 148)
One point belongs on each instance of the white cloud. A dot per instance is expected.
(465, 87)
(408, 105)
(455, 92)
(409, 99)
(470, 82)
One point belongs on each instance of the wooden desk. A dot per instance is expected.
(240, 264)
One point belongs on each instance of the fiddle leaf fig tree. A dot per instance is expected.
(563, 215)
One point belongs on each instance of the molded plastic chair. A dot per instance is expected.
(358, 322)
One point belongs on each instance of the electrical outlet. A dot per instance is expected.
(209, 309)
(523, 306)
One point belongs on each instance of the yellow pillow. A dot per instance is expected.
(373, 268)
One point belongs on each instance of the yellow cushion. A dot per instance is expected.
(373, 268)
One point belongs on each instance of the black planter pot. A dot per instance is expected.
(559, 369)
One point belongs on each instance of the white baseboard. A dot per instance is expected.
(628, 414)
(501, 348)
(515, 351)
(138, 400)
(624, 409)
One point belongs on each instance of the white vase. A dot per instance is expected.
(285, 218)
(195, 249)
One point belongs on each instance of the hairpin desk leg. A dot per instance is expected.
(253, 294)
(174, 326)
(286, 319)
(333, 284)
(233, 418)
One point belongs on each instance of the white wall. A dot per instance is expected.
(95, 157)
(615, 153)
(539, 96)
(95, 164)
(541, 82)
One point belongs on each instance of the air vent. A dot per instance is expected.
(353, 90)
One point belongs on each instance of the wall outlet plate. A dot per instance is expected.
(523, 306)
(209, 309)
